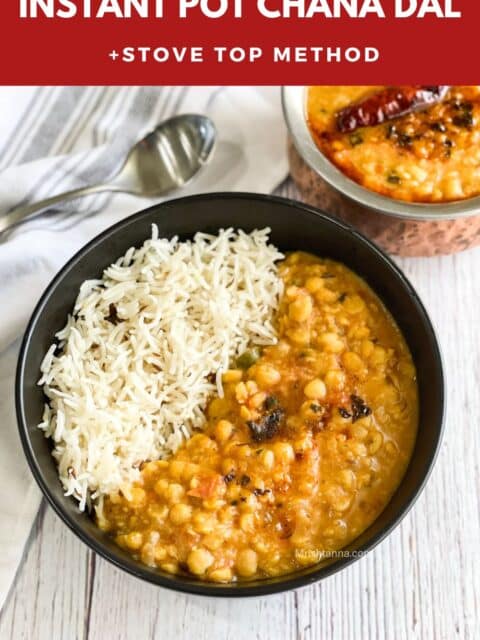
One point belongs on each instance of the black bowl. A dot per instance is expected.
(294, 227)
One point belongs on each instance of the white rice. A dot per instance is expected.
(131, 388)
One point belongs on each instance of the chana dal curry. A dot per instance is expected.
(429, 154)
(309, 441)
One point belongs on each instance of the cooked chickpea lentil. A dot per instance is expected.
(223, 430)
(315, 389)
(246, 563)
(428, 156)
(180, 513)
(199, 560)
(236, 502)
(267, 376)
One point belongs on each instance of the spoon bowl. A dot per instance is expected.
(180, 146)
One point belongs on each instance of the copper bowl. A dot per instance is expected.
(401, 228)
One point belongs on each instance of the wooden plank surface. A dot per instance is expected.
(422, 582)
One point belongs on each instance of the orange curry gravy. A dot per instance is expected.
(301, 454)
(427, 156)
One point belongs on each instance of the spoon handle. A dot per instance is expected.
(16, 216)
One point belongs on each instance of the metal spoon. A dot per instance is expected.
(166, 159)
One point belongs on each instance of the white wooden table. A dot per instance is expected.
(422, 582)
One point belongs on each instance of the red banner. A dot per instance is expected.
(238, 41)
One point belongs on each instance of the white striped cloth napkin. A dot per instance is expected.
(57, 138)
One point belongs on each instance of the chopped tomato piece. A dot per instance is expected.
(206, 488)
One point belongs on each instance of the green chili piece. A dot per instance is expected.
(248, 358)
